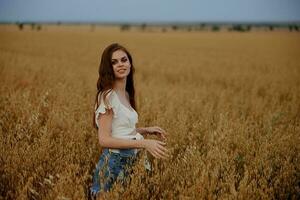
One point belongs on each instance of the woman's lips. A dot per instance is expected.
(121, 70)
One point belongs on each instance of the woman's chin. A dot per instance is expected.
(120, 77)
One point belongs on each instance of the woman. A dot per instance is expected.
(115, 119)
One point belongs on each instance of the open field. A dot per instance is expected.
(229, 101)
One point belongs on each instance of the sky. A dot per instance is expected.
(150, 10)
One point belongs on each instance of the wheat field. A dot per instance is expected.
(229, 101)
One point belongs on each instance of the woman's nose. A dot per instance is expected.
(120, 64)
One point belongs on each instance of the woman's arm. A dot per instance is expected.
(152, 130)
(155, 147)
(105, 138)
(142, 130)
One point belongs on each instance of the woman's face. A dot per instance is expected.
(121, 64)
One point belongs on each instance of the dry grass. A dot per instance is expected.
(229, 101)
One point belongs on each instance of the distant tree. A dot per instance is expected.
(174, 27)
(32, 26)
(21, 26)
(143, 26)
(215, 28)
(239, 27)
(125, 27)
(200, 26)
(163, 30)
(58, 23)
(249, 28)
(271, 28)
(293, 28)
(38, 27)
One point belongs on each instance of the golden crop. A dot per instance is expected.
(229, 101)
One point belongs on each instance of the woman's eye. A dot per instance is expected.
(113, 62)
(124, 60)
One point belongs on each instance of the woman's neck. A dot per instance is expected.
(120, 85)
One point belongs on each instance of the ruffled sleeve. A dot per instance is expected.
(111, 103)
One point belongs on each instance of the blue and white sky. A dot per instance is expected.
(150, 10)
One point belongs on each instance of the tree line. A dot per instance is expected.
(183, 27)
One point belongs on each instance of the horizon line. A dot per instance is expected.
(154, 22)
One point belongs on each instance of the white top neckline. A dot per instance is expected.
(129, 109)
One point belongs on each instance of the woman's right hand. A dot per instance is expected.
(156, 148)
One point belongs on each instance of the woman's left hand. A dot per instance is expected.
(157, 130)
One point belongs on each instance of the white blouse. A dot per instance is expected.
(124, 119)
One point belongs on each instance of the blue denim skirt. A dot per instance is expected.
(112, 167)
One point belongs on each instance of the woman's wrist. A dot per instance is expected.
(140, 143)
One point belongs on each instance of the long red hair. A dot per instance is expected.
(107, 77)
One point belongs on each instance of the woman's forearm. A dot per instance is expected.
(116, 143)
(142, 130)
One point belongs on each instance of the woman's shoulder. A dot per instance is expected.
(106, 95)
(108, 98)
